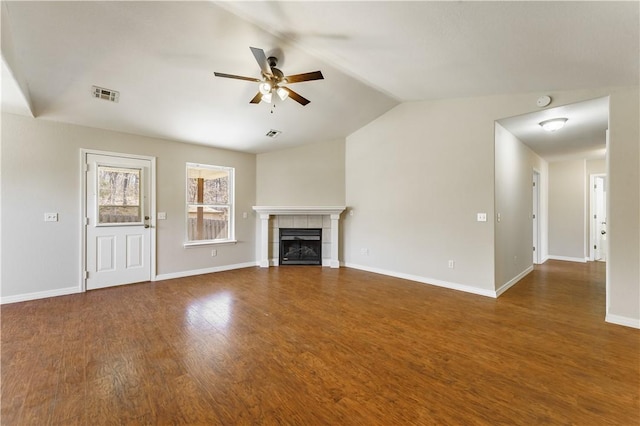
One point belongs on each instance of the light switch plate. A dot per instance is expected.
(482, 217)
(162, 215)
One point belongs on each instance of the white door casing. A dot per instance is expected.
(118, 252)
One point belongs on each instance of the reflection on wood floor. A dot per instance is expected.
(314, 346)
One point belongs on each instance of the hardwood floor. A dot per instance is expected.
(316, 346)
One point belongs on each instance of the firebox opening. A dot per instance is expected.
(300, 246)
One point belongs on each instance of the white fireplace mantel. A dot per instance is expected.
(289, 210)
(266, 211)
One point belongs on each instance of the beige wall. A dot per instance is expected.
(309, 175)
(417, 176)
(623, 217)
(514, 166)
(567, 210)
(41, 173)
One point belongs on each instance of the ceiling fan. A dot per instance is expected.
(273, 80)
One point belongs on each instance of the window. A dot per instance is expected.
(210, 192)
(118, 195)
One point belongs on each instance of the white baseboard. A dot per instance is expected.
(40, 295)
(514, 280)
(426, 280)
(620, 320)
(567, 259)
(211, 270)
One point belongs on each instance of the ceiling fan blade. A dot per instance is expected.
(237, 77)
(261, 58)
(296, 97)
(308, 76)
(256, 99)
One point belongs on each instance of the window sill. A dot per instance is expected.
(192, 244)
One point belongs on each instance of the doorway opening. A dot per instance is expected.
(556, 167)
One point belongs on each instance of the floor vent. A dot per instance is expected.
(273, 133)
(106, 94)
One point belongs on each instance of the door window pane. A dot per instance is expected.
(119, 195)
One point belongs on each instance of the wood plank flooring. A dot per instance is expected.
(318, 346)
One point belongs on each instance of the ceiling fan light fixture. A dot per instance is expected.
(553, 124)
(266, 97)
(282, 93)
(265, 87)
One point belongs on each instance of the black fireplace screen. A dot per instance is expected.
(300, 246)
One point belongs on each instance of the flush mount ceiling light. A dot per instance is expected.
(553, 124)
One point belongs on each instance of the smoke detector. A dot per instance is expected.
(106, 94)
(543, 101)
(273, 133)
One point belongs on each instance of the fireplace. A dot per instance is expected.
(298, 217)
(300, 246)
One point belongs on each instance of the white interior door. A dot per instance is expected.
(535, 217)
(118, 208)
(600, 219)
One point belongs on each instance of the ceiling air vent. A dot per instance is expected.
(273, 133)
(106, 94)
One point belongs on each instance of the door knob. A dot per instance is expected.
(146, 218)
(146, 225)
(603, 232)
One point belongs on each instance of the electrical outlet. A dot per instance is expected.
(452, 264)
(51, 217)
(364, 251)
(214, 253)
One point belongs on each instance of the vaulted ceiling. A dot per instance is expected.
(161, 57)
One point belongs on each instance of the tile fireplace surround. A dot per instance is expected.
(265, 212)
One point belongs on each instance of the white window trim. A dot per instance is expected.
(208, 243)
(232, 228)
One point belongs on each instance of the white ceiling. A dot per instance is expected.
(583, 136)
(161, 57)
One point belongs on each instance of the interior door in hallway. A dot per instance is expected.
(118, 208)
(600, 218)
(535, 214)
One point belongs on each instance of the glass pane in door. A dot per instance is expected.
(118, 197)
